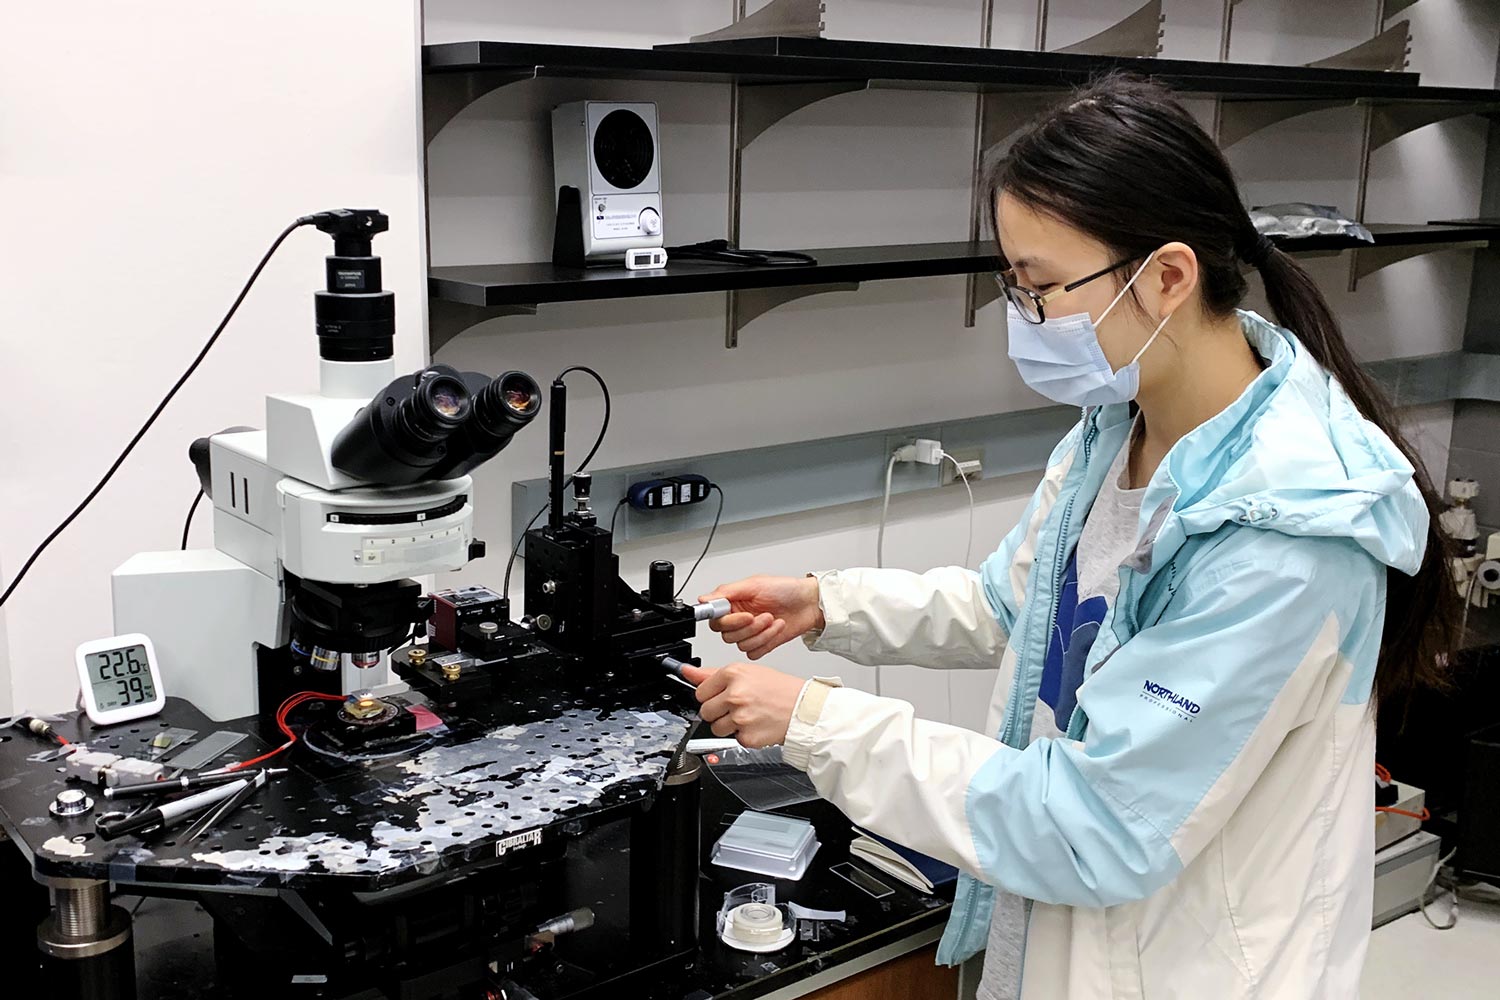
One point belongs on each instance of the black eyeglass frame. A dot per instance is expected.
(1011, 290)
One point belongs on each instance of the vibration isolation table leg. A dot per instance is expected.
(86, 943)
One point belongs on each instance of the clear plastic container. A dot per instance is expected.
(766, 844)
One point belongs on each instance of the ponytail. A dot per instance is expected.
(1419, 634)
(1124, 162)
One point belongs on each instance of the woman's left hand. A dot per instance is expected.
(750, 702)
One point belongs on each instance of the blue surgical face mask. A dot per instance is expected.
(1061, 358)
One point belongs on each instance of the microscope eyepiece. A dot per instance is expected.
(502, 406)
(405, 429)
(439, 406)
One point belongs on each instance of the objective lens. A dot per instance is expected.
(324, 659)
(365, 661)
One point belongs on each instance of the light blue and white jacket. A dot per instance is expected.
(1205, 828)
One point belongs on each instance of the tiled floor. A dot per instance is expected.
(1409, 960)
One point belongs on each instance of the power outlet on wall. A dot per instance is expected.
(972, 460)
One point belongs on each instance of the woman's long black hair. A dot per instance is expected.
(1123, 162)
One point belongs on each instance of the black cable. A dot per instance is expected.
(187, 524)
(616, 515)
(114, 467)
(724, 252)
(511, 563)
(603, 429)
(706, 545)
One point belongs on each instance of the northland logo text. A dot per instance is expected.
(1170, 700)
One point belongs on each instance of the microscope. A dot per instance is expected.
(321, 520)
(433, 833)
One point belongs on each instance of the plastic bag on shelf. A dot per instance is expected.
(1295, 219)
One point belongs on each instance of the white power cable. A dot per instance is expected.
(969, 545)
(1453, 893)
(885, 510)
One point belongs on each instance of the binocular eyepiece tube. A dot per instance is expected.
(437, 423)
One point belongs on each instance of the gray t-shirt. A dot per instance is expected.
(1091, 584)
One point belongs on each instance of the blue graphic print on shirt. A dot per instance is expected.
(1068, 648)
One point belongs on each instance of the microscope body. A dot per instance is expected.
(296, 542)
(322, 519)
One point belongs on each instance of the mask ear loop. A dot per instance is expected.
(1116, 300)
(1150, 340)
(1159, 327)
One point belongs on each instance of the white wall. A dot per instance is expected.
(170, 117)
(148, 155)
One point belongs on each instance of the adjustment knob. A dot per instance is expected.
(650, 222)
(71, 802)
(660, 585)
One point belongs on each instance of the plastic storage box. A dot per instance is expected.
(774, 846)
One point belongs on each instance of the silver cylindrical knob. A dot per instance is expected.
(488, 628)
(71, 802)
(711, 610)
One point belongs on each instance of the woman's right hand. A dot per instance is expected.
(766, 611)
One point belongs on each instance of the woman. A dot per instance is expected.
(1229, 561)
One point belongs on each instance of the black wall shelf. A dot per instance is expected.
(774, 76)
(496, 289)
(459, 72)
(532, 284)
(800, 60)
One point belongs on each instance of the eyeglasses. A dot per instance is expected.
(1032, 305)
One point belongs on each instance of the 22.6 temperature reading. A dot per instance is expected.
(126, 673)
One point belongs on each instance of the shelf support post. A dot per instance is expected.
(754, 108)
(995, 122)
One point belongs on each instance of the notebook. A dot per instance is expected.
(912, 867)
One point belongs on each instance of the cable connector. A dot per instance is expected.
(923, 451)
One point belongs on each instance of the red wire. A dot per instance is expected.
(1424, 815)
(300, 698)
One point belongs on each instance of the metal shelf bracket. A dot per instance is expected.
(1241, 119)
(1137, 34)
(446, 320)
(1391, 121)
(1368, 260)
(799, 18)
(444, 95)
(1388, 50)
(762, 105)
(748, 304)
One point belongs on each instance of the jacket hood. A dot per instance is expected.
(1292, 454)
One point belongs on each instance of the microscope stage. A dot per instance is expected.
(506, 780)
